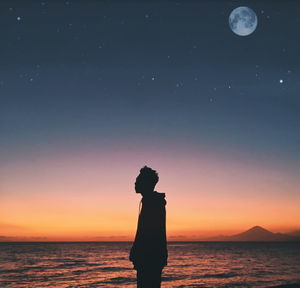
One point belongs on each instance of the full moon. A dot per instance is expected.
(243, 21)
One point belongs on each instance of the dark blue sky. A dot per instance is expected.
(173, 72)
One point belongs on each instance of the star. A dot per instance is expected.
(281, 81)
(19, 18)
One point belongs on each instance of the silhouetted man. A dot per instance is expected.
(149, 251)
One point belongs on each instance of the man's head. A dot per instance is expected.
(146, 180)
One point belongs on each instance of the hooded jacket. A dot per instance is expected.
(150, 245)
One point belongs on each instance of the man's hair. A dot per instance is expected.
(149, 175)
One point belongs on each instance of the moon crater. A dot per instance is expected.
(243, 21)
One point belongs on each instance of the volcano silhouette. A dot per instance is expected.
(257, 234)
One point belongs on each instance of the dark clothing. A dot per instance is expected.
(149, 278)
(149, 251)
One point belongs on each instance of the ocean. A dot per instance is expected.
(106, 264)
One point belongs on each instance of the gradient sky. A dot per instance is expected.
(90, 92)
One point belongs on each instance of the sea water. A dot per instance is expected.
(106, 264)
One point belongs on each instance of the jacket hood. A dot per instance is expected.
(155, 197)
(158, 195)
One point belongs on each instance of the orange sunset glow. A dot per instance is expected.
(88, 194)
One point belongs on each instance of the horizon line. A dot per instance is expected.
(172, 241)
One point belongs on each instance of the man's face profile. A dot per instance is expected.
(143, 185)
(138, 185)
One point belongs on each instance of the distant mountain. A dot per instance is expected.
(257, 234)
(21, 239)
(294, 233)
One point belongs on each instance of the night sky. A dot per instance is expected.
(145, 79)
